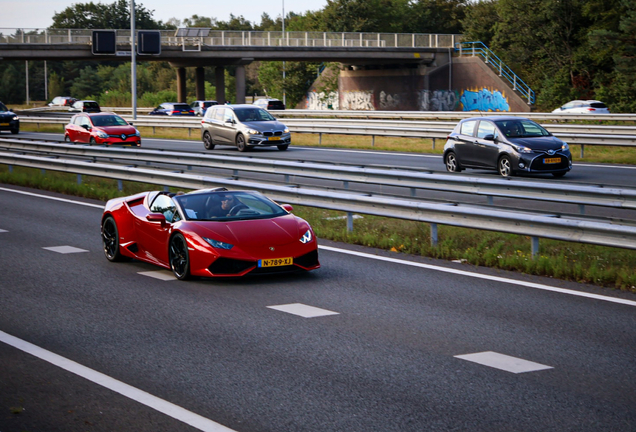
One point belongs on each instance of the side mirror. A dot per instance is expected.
(489, 137)
(87, 127)
(156, 217)
(229, 121)
(287, 207)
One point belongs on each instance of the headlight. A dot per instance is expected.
(218, 244)
(102, 134)
(137, 133)
(286, 130)
(523, 149)
(253, 132)
(307, 237)
(565, 146)
(16, 118)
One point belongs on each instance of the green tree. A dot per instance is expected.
(88, 83)
(298, 78)
(105, 16)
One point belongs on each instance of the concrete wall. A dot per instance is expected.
(474, 86)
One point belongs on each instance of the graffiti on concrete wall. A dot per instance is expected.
(358, 100)
(388, 101)
(484, 100)
(322, 101)
(436, 100)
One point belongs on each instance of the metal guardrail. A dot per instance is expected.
(581, 195)
(573, 134)
(534, 225)
(242, 38)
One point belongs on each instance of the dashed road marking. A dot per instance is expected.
(64, 249)
(503, 362)
(302, 310)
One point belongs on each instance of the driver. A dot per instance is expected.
(231, 205)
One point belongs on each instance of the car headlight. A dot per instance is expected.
(102, 134)
(286, 130)
(137, 133)
(16, 118)
(218, 244)
(253, 132)
(307, 237)
(524, 149)
(565, 146)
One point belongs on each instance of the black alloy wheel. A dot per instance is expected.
(559, 174)
(179, 258)
(240, 143)
(450, 160)
(15, 130)
(283, 147)
(208, 143)
(93, 142)
(67, 138)
(110, 238)
(504, 166)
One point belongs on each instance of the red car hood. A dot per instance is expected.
(116, 130)
(256, 232)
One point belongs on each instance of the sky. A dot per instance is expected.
(39, 13)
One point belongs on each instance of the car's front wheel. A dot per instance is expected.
(179, 257)
(504, 166)
(240, 143)
(15, 130)
(559, 174)
(208, 142)
(93, 142)
(283, 147)
(67, 138)
(450, 160)
(110, 239)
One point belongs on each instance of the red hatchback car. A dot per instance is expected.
(101, 128)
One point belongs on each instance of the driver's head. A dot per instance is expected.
(227, 202)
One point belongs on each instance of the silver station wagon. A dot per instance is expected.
(243, 126)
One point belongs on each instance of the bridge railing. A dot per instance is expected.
(243, 38)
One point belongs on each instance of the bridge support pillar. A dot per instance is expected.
(219, 76)
(200, 83)
(181, 85)
(240, 84)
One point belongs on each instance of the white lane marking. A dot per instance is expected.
(64, 249)
(52, 198)
(302, 310)
(606, 166)
(3, 231)
(481, 276)
(164, 275)
(503, 362)
(427, 266)
(163, 406)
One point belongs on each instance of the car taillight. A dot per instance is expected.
(173, 111)
(591, 109)
(192, 111)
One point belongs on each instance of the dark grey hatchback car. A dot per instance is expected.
(510, 145)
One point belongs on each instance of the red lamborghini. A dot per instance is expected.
(208, 232)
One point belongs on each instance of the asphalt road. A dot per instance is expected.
(141, 351)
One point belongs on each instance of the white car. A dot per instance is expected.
(583, 107)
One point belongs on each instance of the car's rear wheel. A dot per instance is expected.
(450, 160)
(504, 166)
(110, 239)
(240, 143)
(208, 143)
(283, 147)
(179, 257)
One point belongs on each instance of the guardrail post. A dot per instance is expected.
(582, 209)
(345, 184)
(372, 140)
(582, 150)
(349, 222)
(535, 246)
(434, 234)
(79, 179)
(320, 138)
(490, 200)
(120, 185)
(433, 143)
(189, 132)
(10, 169)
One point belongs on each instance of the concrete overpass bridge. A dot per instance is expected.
(413, 57)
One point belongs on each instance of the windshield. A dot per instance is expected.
(3, 107)
(253, 114)
(108, 120)
(521, 128)
(226, 206)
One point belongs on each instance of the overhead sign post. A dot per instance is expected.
(104, 42)
(133, 61)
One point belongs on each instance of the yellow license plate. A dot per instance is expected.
(4, 124)
(551, 160)
(274, 138)
(276, 262)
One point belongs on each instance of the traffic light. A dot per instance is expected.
(104, 42)
(149, 42)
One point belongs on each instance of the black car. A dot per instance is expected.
(510, 145)
(173, 109)
(9, 120)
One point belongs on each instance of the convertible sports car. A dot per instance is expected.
(208, 232)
